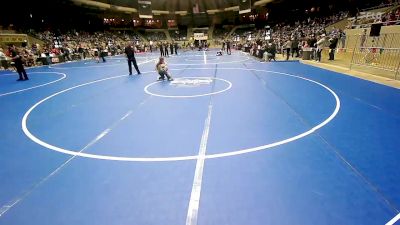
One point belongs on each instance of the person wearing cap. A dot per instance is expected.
(130, 54)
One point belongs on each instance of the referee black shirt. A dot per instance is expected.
(130, 52)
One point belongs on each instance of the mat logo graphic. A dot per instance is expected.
(192, 81)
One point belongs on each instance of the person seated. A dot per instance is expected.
(162, 70)
(271, 51)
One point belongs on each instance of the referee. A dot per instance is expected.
(18, 63)
(130, 54)
(228, 47)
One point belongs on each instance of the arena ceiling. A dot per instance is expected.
(178, 5)
(168, 6)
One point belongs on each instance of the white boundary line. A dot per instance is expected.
(192, 55)
(214, 63)
(99, 66)
(9, 74)
(14, 202)
(146, 89)
(34, 87)
(394, 220)
(194, 202)
(179, 158)
(198, 60)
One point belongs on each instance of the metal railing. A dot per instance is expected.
(378, 7)
(367, 25)
(377, 55)
(387, 59)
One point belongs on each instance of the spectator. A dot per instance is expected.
(3, 59)
(18, 63)
(363, 38)
(320, 47)
(332, 47)
(295, 47)
(288, 46)
(343, 38)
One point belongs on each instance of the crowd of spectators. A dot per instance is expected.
(292, 39)
(289, 39)
(365, 19)
(245, 33)
(82, 45)
(69, 46)
(220, 33)
(156, 36)
(178, 35)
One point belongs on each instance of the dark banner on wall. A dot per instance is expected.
(144, 9)
(244, 6)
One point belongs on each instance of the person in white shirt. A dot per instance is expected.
(3, 60)
(151, 46)
(320, 47)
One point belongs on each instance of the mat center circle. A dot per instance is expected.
(188, 87)
(233, 152)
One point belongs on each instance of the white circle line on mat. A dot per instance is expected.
(146, 89)
(34, 87)
(181, 158)
(211, 63)
(95, 66)
(201, 60)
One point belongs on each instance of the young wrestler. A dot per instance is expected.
(162, 70)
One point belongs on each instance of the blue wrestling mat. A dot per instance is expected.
(231, 141)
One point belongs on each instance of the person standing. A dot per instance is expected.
(3, 60)
(166, 49)
(103, 53)
(288, 46)
(80, 51)
(161, 49)
(171, 48)
(151, 46)
(176, 48)
(320, 47)
(343, 38)
(96, 54)
(363, 39)
(19, 65)
(228, 47)
(332, 47)
(130, 54)
(67, 52)
(295, 47)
